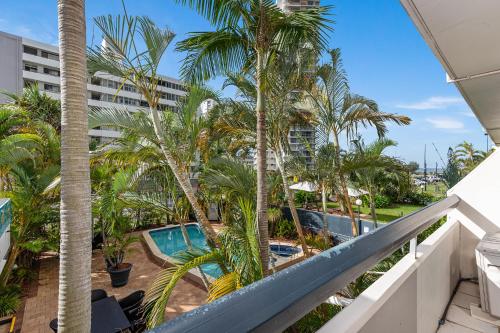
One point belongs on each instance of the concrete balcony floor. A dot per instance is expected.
(459, 319)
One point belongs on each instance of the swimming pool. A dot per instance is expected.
(284, 250)
(170, 241)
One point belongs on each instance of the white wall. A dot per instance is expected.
(412, 296)
(479, 209)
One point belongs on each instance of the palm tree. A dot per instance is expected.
(238, 254)
(121, 56)
(372, 165)
(249, 35)
(339, 112)
(38, 105)
(75, 251)
(283, 95)
(468, 157)
(31, 161)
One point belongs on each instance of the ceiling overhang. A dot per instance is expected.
(465, 37)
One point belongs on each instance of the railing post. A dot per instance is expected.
(413, 247)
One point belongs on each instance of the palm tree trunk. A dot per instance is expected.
(184, 182)
(325, 222)
(261, 167)
(291, 203)
(343, 186)
(76, 226)
(372, 208)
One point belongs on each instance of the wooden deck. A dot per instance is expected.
(459, 319)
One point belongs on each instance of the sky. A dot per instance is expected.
(385, 57)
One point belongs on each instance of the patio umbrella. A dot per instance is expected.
(355, 192)
(304, 186)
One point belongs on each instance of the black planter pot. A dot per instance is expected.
(119, 275)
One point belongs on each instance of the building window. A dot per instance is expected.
(51, 87)
(30, 50)
(50, 71)
(28, 83)
(50, 55)
(30, 68)
(95, 80)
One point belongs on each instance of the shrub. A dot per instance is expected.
(301, 197)
(285, 229)
(419, 198)
(317, 241)
(10, 299)
(381, 201)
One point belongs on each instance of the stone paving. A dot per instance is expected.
(41, 304)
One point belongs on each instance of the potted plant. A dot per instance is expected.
(115, 246)
(113, 212)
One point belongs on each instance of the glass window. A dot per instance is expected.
(30, 50)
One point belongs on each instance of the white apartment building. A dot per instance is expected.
(293, 5)
(24, 61)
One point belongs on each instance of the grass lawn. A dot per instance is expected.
(384, 214)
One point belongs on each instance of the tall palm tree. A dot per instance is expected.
(339, 112)
(75, 251)
(282, 100)
(121, 55)
(249, 34)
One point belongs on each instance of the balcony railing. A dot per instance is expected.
(276, 302)
(5, 214)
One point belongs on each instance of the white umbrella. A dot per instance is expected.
(304, 186)
(355, 192)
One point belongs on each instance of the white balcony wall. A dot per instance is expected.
(412, 296)
(479, 209)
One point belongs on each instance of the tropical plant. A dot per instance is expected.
(468, 157)
(238, 254)
(134, 47)
(10, 300)
(248, 37)
(112, 211)
(38, 105)
(30, 175)
(286, 80)
(374, 164)
(75, 250)
(339, 112)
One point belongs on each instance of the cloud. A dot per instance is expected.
(445, 123)
(431, 103)
(468, 113)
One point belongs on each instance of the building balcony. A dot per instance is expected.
(415, 295)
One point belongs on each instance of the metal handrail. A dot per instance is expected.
(274, 303)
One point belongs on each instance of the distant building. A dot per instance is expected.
(24, 62)
(293, 5)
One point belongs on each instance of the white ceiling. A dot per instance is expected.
(465, 37)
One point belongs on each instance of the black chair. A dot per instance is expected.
(97, 294)
(132, 302)
(53, 325)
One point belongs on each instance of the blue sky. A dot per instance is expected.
(384, 55)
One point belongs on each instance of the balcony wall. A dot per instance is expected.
(413, 295)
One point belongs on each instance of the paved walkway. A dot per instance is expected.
(41, 306)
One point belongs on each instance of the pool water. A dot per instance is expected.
(170, 241)
(283, 250)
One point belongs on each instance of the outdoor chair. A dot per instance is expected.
(98, 294)
(53, 325)
(131, 302)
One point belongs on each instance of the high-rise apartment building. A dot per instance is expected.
(24, 62)
(293, 5)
